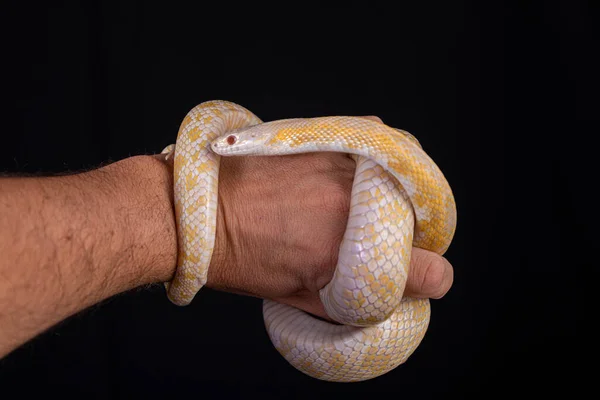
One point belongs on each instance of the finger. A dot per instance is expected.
(430, 275)
(372, 118)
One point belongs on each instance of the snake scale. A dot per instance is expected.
(399, 199)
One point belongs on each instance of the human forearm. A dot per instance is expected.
(71, 241)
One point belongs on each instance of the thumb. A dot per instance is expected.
(430, 275)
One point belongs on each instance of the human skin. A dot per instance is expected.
(68, 242)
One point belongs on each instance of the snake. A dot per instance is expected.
(399, 199)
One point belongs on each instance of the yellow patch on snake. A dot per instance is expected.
(191, 181)
(195, 133)
(187, 120)
(191, 232)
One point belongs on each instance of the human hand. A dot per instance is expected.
(281, 220)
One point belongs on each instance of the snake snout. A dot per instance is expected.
(224, 142)
(219, 144)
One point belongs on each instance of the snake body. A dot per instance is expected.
(399, 199)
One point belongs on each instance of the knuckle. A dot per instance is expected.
(326, 162)
(373, 118)
(336, 199)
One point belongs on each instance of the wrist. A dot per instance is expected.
(137, 194)
(149, 220)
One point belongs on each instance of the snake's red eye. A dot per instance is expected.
(231, 139)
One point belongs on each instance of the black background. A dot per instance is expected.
(501, 95)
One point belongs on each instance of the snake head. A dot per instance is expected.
(244, 141)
